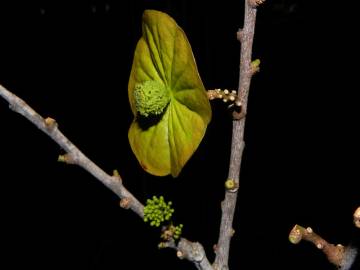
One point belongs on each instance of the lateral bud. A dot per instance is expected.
(255, 3)
(116, 175)
(255, 66)
(240, 35)
(67, 158)
(125, 203)
(50, 123)
(231, 185)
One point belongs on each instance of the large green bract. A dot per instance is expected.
(169, 102)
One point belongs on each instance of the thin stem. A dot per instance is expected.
(193, 251)
(74, 155)
(335, 254)
(245, 36)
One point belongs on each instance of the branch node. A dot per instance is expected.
(125, 203)
(192, 251)
(231, 185)
(240, 35)
(50, 123)
(116, 175)
(255, 3)
(222, 204)
(238, 115)
(255, 66)
(67, 158)
(180, 254)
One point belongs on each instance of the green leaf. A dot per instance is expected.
(169, 102)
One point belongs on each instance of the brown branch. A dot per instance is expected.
(192, 251)
(245, 36)
(342, 257)
(335, 254)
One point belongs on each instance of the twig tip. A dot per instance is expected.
(295, 235)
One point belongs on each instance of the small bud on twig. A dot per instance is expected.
(116, 175)
(231, 185)
(180, 254)
(50, 123)
(125, 203)
(239, 35)
(255, 3)
(255, 66)
(67, 158)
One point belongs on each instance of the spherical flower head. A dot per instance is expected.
(151, 98)
(157, 211)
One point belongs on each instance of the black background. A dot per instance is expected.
(71, 61)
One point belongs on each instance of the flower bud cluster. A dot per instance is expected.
(157, 211)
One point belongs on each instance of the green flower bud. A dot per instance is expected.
(157, 210)
(151, 98)
(231, 185)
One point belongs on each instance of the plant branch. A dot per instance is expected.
(192, 251)
(74, 155)
(335, 254)
(342, 257)
(245, 36)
